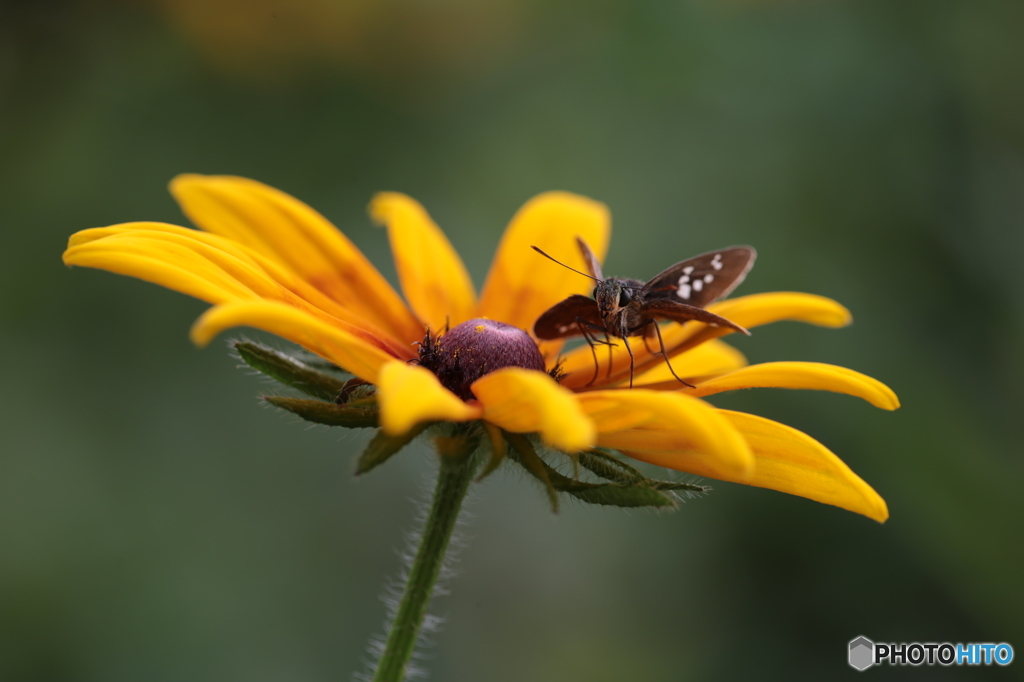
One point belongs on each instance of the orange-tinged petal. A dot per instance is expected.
(410, 394)
(522, 284)
(790, 461)
(434, 279)
(626, 419)
(212, 269)
(746, 311)
(344, 349)
(527, 401)
(808, 375)
(707, 359)
(288, 231)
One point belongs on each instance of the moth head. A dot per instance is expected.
(612, 296)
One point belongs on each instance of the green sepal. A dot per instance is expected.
(289, 370)
(676, 485)
(458, 446)
(316, 362)
(638, 493)
(382, 446)
(328, 414)
(609, 467)
(613, 495)
(522, 451)
(499, 448)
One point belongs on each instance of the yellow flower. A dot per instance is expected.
(266, 260)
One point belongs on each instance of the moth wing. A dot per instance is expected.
(682, 312)
(593, 265)
(560, 320)
(703, 279)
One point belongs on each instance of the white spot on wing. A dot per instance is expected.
(684, 279)
(684, 292)
(716, 262)
(698, 285)
(708, 279)
(688, 269)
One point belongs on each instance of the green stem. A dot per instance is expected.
(452, 483)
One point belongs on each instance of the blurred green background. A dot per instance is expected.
(157, 524)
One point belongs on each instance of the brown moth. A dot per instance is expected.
(624, 308)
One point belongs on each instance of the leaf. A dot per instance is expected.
(328, 414)
(382, 447)
(289, 371)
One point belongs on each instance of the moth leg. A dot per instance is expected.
(593, 351)
(648, 335)
(668, 362)
(611, 356)
(631, 360)
(586, 330)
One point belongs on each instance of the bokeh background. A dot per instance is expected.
(157, 524)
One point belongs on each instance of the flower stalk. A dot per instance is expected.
(453, 479)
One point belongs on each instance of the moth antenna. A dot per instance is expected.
(564, 265)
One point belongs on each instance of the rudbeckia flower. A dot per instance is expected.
(268, 261)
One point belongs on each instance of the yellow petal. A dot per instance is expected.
(168, 241)
(288, 231)
(808, 375)
(786, 460)
(757, 309)
(746, 311)
(410, 394)
(181, 270)
(434, 280)
(522, 284)
(707, 359)
(639, 420)
(212, 269)
(527, 401)
(344, 349)
(792, 462)
(216, 249)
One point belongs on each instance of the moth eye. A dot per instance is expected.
(593, 294)
(624, 298)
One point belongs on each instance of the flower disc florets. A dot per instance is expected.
(475, 348)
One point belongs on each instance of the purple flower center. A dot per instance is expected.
(475, 348)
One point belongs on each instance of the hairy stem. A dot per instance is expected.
(452, 483)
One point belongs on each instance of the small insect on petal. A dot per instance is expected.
(625, 308)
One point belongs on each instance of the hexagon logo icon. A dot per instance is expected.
(862, 653)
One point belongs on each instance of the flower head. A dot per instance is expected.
(268, 261)
(474, 349)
